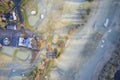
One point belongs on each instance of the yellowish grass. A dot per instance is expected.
(4, 59)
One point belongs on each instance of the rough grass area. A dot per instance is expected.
(26, 20)
(23, 2)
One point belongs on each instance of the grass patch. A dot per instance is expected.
(14, 54)
(23, 2)
(24, 15)
(27, 25)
